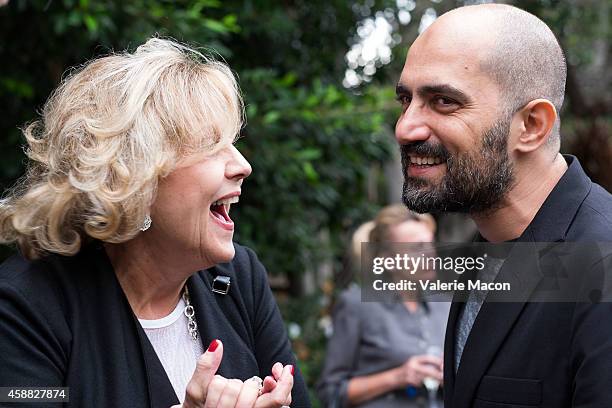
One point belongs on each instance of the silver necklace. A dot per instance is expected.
(189, 312)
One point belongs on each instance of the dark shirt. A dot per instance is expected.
(65, 321)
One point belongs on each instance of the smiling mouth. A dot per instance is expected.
(425, 161)
(220, 210)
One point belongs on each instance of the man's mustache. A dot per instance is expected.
(437, 151)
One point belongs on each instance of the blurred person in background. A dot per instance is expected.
(380, 354)
(122, 222)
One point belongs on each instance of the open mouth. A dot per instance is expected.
(220, 210)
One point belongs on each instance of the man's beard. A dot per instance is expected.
(475, 182)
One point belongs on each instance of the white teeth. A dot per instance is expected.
(424, 160)
(227, 201)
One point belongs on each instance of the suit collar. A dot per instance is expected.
(555, 216)
(495, 319)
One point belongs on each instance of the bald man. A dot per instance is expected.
(481, 92)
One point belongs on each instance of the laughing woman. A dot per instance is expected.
(128, 288)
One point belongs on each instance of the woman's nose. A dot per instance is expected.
(238, 167)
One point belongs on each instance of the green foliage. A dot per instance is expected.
(311, 148)
(42, 39)
(311, 142)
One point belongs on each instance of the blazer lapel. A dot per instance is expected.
(495, 319)
(449, 351)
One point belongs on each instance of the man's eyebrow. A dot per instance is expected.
(402, 90)
(445, 90)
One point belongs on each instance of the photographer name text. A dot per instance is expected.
(440, 286)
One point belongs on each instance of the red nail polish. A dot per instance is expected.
(213, 345)
(292, 369)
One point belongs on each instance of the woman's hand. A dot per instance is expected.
(208, 390)
(282, 383)
(417, 368)
(269, 383)
(235, 393)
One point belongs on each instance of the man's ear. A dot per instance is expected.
(536, 121)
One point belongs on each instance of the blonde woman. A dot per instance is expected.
(381, 353)
(128, 288)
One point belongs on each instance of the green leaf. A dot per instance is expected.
(309, 154)
(251, 110)
(312, 101)
(310, 172)
(215, 26)
(91, 23)
(74, 18)
(231, 22)
(271, 117)
(289, 79)
(17, 88)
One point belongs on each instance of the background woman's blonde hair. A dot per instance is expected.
(394, 215)
(377, 231)
(107, 134)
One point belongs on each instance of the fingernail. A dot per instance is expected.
(292, 369)
(213, 345)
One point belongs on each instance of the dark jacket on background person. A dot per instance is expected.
(541, 354)
(65, 322)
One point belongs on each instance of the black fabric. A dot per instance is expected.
(64, 321)
(553, 355)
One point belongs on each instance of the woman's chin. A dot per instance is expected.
(214, 251)
(226, 254)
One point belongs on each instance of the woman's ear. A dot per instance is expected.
(537, 119)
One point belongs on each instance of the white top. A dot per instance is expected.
(174, 346)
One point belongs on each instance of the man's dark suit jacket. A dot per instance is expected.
(64, 321)
(540, 354)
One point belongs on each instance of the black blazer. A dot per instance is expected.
(537, 354)
(65, 321)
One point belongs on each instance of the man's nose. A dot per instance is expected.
(412, 126)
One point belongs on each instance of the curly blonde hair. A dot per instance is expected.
(108, 133)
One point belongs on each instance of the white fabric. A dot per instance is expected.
(176, 350)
